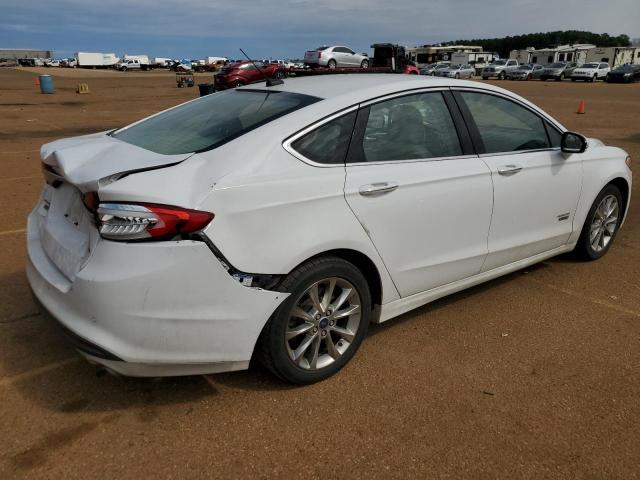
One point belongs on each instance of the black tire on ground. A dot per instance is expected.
(280, 74)
(271, 349)
(332, 64)
(573, 79)
(501, 76)
(238, 83)
(485, 78)
(364, 64)
(594, 78)
(584, 250)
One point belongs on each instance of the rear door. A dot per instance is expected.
(418, 190)
(536, 186)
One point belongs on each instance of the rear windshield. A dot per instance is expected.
(211, 121)
(498, 62)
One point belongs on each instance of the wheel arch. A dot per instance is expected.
(363, 263)
(623, 186)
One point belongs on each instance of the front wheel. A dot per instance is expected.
(501, 76)
(319, 327)
(364, 64)
(238, 83)
(594, 78)
(601, 225)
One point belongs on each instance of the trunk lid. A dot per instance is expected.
(90, 160)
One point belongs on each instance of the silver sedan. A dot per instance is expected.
(457, 71)
(333, 57)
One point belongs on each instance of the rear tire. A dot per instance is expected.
(309, 348)
(332, 64)
(601, 225)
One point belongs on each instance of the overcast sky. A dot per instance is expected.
(286, 28)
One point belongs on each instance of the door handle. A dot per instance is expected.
(509, 169)
(377, 188)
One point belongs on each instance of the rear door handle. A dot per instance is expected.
(379, 188)
(509, 169)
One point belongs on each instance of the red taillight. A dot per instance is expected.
(319, 53)
(138, 221)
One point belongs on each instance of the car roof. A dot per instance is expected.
(341, 91)
(359, 87)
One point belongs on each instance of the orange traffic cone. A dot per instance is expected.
(581, 107)
(36, 81)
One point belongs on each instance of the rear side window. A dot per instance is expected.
(505, 126)
(411, 127)
(328, 143)
(211, 121)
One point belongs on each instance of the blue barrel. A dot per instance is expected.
(46, 84)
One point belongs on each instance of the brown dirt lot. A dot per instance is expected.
(535, 375)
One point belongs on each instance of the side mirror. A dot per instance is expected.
(573, 143)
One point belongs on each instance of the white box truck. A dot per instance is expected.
(96, 60)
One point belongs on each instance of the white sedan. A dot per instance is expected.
(278, 221)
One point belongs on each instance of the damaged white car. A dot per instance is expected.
(278, 221)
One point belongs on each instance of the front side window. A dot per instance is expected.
(505, 126)
(406, 128)
(211, 121)
(329, 142)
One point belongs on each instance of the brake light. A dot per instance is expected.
(140, 221)
(628, 161)
(319, 53)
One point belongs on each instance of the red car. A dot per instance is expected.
(243, 73)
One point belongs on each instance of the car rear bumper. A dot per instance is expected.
(152, 309)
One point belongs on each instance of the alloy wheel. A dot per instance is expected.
(604, 223)
(323, 323)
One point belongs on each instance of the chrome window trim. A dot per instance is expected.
(286, 144)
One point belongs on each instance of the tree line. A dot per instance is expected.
(544, 40)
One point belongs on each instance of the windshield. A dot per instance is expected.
(590, 65)
(211, 121)
(556, 65)
(498, 62)
(525, 67)
(442, 65)
(321, 48)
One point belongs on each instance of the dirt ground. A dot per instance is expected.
(534, 375)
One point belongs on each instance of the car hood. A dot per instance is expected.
(584, 70)
(89, 161)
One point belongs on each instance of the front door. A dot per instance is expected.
(424, 201)
(536, 186)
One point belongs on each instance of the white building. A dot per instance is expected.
(427, 54)
(546, 56)
(580, 53)
(614, 56)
